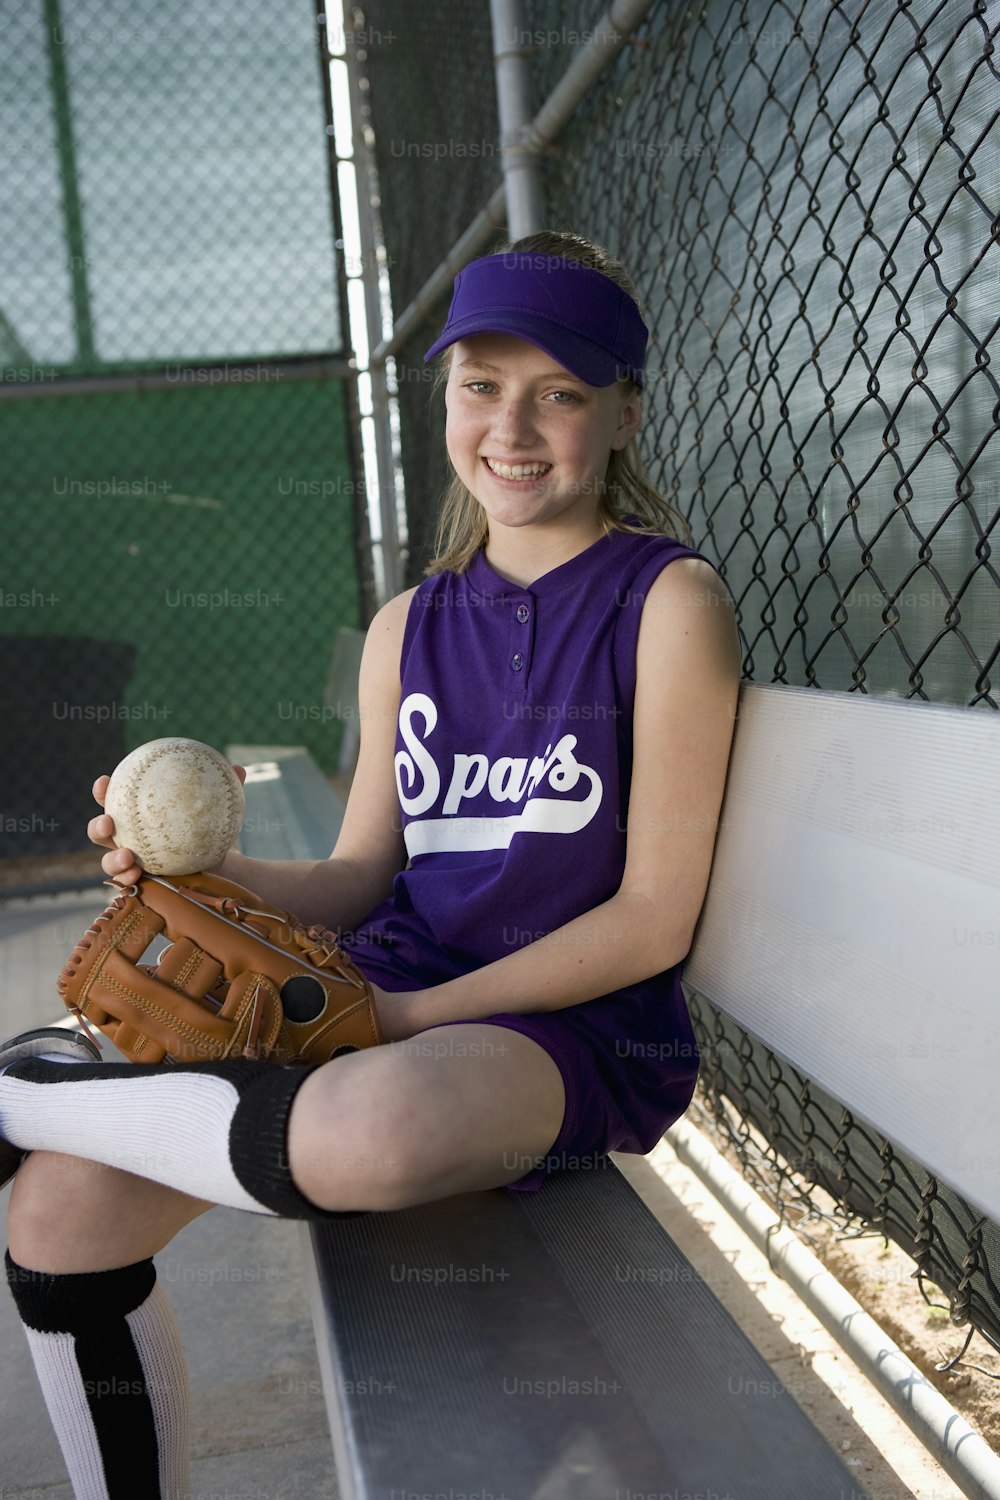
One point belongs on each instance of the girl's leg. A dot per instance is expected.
(450, 1109)
(101, 1332)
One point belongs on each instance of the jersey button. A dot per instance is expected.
(523, 612)
(517, 661)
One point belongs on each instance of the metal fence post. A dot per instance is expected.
(388, 546)
(515, 106)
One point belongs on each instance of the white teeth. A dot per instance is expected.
(517, 471)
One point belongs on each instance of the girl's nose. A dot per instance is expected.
(513, 421)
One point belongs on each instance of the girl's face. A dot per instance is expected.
(530, 440)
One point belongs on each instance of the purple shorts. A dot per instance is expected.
(621, 1093)
(629, 1062)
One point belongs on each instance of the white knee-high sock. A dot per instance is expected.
(111, 1368)
(215, 1130)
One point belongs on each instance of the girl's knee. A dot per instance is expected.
(398, 1129)
(67, 1214)
(349, 1158)
(50, 1190)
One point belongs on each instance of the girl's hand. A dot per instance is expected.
(120, 865)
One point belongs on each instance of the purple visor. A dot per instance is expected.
(578, 316)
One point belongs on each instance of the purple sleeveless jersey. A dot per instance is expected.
(513, 765)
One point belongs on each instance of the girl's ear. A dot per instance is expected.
(630, 418)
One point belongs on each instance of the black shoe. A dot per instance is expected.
(46, 1039)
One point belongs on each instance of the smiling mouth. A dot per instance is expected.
(519, 473)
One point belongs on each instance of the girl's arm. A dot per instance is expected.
(687, 690)
(340, 891)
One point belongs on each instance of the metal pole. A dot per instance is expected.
(367, 600)
(389, 546)
(606, 40)
(72, 212)
(522, 169)
(438, 284)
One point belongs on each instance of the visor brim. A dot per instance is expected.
(580, 356)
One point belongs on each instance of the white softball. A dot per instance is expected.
(178, 804)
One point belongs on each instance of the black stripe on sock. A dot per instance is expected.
(121, 1411)
(91, 1307)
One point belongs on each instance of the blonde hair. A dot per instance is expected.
(628, 488)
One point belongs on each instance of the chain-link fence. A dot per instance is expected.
(182, 513)
(434, 117)
(807, 197)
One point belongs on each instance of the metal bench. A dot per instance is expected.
(498, 1343)
(517, 1345)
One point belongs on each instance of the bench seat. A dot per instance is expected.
(554, 1345)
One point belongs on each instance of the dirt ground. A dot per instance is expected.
(879, 1275)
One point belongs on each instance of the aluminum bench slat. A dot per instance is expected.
(553, 1345)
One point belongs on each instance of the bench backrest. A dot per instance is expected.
(852, 921)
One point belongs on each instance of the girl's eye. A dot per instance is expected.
(566, 397)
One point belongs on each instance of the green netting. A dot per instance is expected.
(183, 525)
(201, 539)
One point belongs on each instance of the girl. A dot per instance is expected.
(546, 726)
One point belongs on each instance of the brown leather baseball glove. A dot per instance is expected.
(241, 978)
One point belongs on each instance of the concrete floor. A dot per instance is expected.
(235, 1280)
